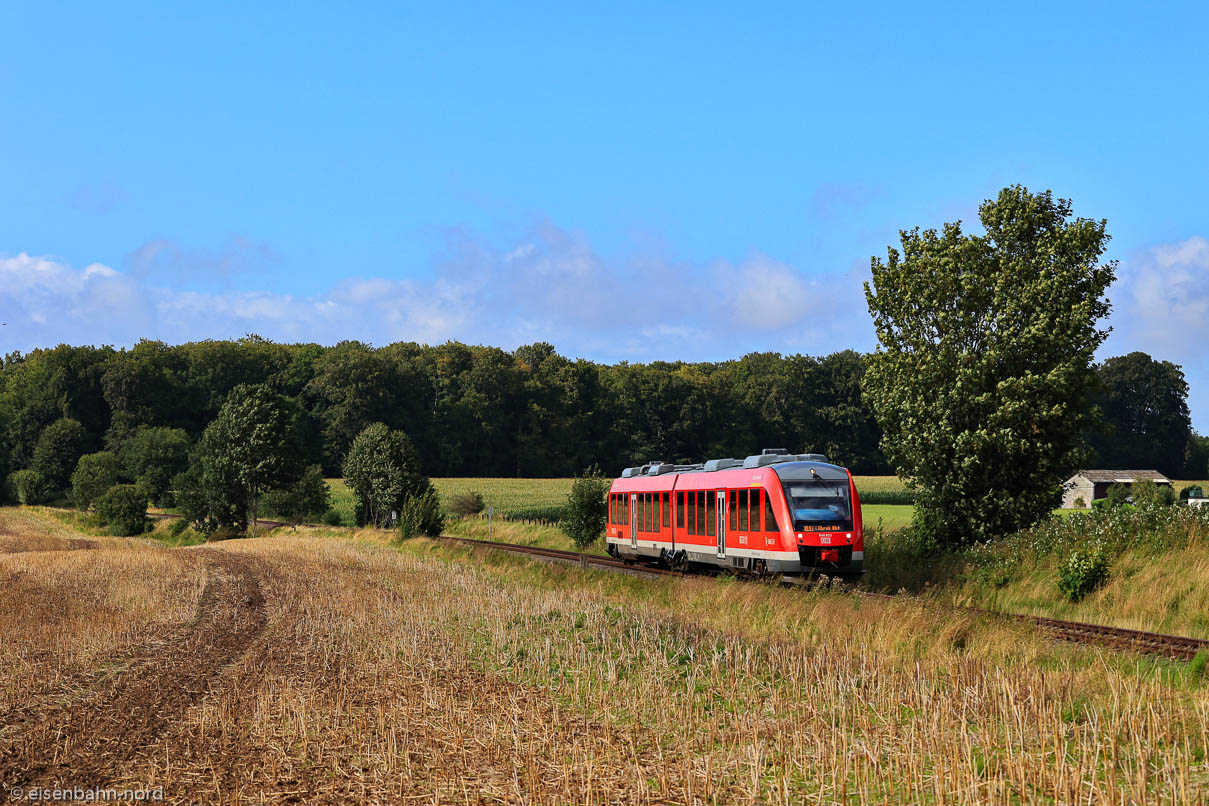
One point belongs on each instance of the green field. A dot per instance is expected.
(509, 496)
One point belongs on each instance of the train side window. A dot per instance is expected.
(742, 510)
(770, 519)
(733, 505)
(667, 510)
(625, 509)
(755, 509)
(646, 512)
(692, 513)
(640, 512)
(680, 510)
(700, 512)
(655, 517)
(711, 508)
(612, 508)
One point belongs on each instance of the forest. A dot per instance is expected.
(484, 411)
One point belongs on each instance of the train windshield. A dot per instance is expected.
(819, 504)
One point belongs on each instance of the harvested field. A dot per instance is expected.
(314, 668)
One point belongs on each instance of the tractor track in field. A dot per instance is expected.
(93, 733)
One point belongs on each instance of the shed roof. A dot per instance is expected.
(1121, 475)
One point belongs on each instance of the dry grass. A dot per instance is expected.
(1171, 595)
(379, 674)
(68, 605)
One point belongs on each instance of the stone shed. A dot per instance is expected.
(1092, 484)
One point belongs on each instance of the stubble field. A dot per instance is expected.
(330, 667)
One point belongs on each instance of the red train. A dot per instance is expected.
(775, 513)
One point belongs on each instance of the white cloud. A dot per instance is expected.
(766, 295)
(1163, 295)
(551, 286)
(1161, 307)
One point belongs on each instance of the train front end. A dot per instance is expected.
(824, 518)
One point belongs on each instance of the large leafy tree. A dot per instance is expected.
(153, 456)
(94, 475)
(252, 447)
(983, 382)
(383, 471)
(59, 448)
(1144, 404)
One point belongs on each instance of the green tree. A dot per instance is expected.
(124, 509)
(1196, 457)
(1144, 408)
(251, 447)
(982, 382)
(1117, 495)
(153, 456)
(383, 471)
(95, 473)
(28, 487)
(59, 448)
(421, 515)
(307, 498)
(587, 509)
(210, 498)
(1148, 495)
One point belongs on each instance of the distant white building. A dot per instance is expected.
(1091, 485)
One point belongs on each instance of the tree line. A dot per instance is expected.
(482, 411)
(469, 410)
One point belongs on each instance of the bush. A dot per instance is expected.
(421, 515)
(95, 473)
(587, 509)
(124, 509)
(1148, 495)
(308, 498)
(1080, 503)
(28, 487)
(332, 518)
(470, 503)
(1082, 571)
(1118, 494)
(178, 527)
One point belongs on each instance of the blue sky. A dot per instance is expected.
(627, 182)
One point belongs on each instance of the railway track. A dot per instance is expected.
(1176, 647)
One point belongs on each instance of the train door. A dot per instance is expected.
(720, 516)
(633, 520)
